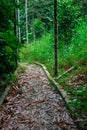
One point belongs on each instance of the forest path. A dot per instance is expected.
(37, 108)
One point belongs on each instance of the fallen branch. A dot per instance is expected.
(5, 93)
(70, 69)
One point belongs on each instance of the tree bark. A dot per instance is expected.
(34, 37)
(15, 31)
(55, 39)
(26, 21)
(19, 30)
(15, 20)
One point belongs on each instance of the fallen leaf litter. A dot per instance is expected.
(37, 108)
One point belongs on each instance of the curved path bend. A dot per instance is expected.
(37, 108)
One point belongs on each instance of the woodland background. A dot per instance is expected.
(27, 35)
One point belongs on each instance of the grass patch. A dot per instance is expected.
(41, 50)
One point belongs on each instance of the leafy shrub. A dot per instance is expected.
(8, 53)
(6, 16)
(8, 41)
(37, 28)
(79, 95)
(67, 19)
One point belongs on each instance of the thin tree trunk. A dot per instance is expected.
(33, 25)
(19, 30)
(26, 21)
(55, 39)
(15, 31)
(16, 20)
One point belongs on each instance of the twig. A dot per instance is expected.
(70, 69)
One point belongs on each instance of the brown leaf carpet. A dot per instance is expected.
(37, 108)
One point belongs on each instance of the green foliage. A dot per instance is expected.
(6, 14)
(67, 19)
(79, 40)
(20, 69)
(83, 9)
(37, 28)
(71, 54)
(37, 10)
(68, 55)
(8, 53)
(79, 97)
(73, 30)
(41, 50)
(8, 41)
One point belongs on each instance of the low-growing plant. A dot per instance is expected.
(20, 69)
(79, 99)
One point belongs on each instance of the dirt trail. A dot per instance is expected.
(37, 108)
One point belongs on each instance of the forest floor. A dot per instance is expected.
(35, 105)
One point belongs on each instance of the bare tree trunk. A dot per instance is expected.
(15, 30)
(19, 30)
(33, 25)
(26, 21)
(55, 39)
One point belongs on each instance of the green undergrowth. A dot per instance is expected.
(11, 78)
(1, 91)
(41, 50)
(20, 69)
(72, 54)
(7, 79)
(75, 83)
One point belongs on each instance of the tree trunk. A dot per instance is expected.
(15, 30)
(19, 30)
(55, 39)
(26, 21)
(34, 37)
(15, 20)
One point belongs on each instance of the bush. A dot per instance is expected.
(8, 53)
(8, 41)
(67, 19)
(37, 28)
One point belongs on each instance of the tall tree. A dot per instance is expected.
(15, 17)
(19, 30)
(26, 12)
(33, 20)
(55, 39)
(15, 29)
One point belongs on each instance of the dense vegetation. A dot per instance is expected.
(72, 50)
(8, 40)
(72, 38)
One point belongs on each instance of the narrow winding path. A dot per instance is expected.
(37, 108)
